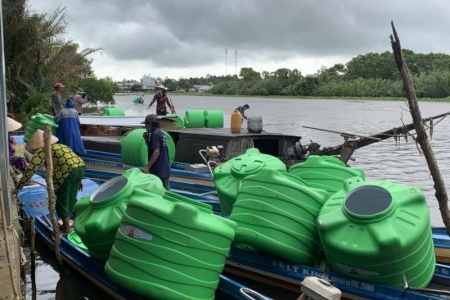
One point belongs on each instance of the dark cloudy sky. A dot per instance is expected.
(188, 38)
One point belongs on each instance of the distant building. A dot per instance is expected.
(125, 86)
(148, 83)
(203, 88)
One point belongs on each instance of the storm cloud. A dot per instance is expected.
(185, 37)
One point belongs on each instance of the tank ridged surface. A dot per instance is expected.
(213, 118)
(228, 177)
(170, 247)
(99, 215)
(194, 118)
(276, 214)
(376, 231)
(325, 172)
(113, 111)
(38, 121)
(134, 150)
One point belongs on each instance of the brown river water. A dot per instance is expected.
(385, 160)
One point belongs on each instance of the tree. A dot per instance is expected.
(100, 90)
(36, 56)
(248, 74)
(371, 65)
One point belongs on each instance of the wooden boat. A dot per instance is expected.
(189, 141)
(190, 165)
(99, 135)
(34, 204)
(273, 271)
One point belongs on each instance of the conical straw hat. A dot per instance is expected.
(36, 141)
(13, 124)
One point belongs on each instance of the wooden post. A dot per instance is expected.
(421, 138)
(51, 191)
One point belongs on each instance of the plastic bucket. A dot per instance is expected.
(254, 124)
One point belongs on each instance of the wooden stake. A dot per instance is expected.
(51, 192)
(421, 138)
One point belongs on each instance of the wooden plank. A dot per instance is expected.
(442, 255)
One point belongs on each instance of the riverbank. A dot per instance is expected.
(205, 94)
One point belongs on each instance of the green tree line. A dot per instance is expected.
(37, 56)
(368, 75)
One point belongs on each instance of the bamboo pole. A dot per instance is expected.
(32, 250)
(51, 192)
(33, 259)
(7, 246)
(422, 137)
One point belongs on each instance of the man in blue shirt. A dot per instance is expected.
(158, 157)
(241, 109)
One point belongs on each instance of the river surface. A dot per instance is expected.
(386, 160)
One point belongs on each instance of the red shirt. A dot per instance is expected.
(161, 102)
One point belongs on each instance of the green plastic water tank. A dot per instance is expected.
(194, 118)
(177, 119)
(276, 215)
(75, 239)
(38, 121)
(325, 172)
(254, 124)
(98, 215)
(134, 149)
(213, 118)
(113, 111)
(376, 231)
(229, 176)
(170, 247)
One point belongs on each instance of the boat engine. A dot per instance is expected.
(213, 156)
(296, 151)
(215, 153)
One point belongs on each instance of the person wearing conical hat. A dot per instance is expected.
(79, 100)
(18, 162)
(68, 171)
(161, 101)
